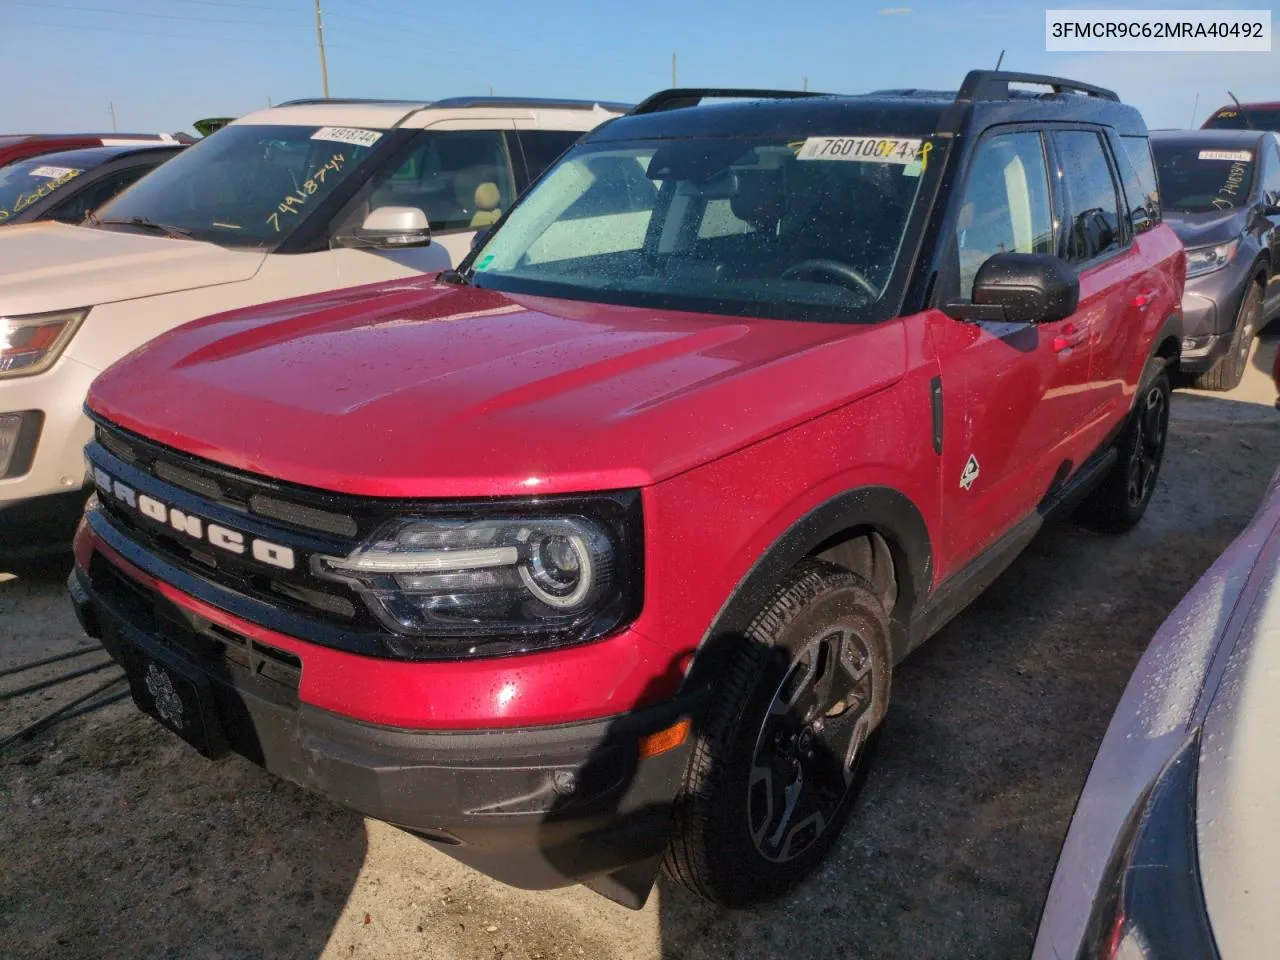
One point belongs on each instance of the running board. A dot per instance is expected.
(962, 588)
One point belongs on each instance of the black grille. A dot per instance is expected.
(255, 507)
(220, 652)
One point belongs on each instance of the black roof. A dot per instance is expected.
(86, 158)
(1211, 137)
(985, 98)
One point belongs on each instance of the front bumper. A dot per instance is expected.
(1209, 307)
(534, 807)
(58, 394)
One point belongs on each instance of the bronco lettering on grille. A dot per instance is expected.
(195, 527)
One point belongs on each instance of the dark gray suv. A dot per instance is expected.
(1220, 190)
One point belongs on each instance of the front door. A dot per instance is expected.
(1013, 394)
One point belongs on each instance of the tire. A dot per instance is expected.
(1122, 497)
(775, 768)
(1227, 373)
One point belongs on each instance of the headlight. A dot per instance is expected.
(30, 344)
(487, 585)
(1201, 260)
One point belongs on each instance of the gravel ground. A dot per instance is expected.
(117, 839)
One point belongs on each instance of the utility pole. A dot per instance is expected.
(491, 89)
(324, 67)
(112, 108)
(673, 71)
(1000, 60)
(269, 103)
(806, 84)
(1195, 107)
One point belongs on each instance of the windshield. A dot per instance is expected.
(1250, 118)
(788, 227)
(1198, 178)
(247, 185)
(27, 181)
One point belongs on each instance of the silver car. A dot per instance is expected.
(1174, 848)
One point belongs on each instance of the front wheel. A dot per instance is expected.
(786, 741)
(1227, 373)
(1122, 498)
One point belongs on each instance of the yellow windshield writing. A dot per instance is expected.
(39, 193)
(291, 202)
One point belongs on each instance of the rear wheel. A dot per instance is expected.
(787, 740)
(1227, 373)
(1122, 498)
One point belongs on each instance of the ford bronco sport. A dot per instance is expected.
(601, 548)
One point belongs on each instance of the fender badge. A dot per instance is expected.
(970, 473)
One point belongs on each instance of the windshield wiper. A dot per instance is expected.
(178, 233)
(453, 276)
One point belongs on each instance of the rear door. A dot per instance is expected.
(1014, 395)
(1134, 272)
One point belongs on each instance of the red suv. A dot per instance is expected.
(601, 549)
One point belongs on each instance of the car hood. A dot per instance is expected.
(54, 266)
(1202, 229)
(417, 388)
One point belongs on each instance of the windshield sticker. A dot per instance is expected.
(862, 149)
(351, 135)
(1240, 156)
(485, 261)
(54, 173)
(292, 201)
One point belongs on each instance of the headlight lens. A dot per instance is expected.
(505, 583)
(30, 344)
(1201, 260)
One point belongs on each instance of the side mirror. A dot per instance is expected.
(1020, 287)
(1271, 210)
(393, 228)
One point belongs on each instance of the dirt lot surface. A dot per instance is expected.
(118, 840)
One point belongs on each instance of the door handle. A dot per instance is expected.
(1146, 298)
(1071, 336)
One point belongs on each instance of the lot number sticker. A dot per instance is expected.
(55, 173)
(352, 135)
(1238, 156)
(861, 149)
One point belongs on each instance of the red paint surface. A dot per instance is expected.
(734, 428)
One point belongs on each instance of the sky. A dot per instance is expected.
(164, 63)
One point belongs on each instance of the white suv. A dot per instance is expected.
(308, 196)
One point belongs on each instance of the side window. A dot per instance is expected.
(461, 178)
(1005, 207)
(542, 148)
(1093, 214)
(1137, 151)
(78, 206)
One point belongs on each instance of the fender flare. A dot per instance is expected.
(883, 509)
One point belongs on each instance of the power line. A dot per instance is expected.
(152, 16)
(155, 33)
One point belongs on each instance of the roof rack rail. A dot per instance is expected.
(544, 102)
(317, 101)
(678, 97)
(994, 85)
